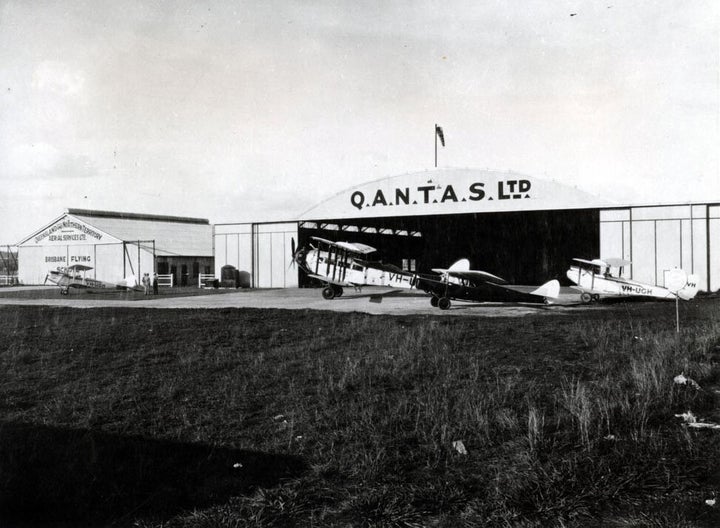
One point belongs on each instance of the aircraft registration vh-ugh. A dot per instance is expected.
(75, 277)
(344, 264)
(594, 278)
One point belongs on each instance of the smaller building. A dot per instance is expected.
(117, 245)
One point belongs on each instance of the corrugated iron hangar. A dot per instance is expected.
(521, 228)
(118, 245)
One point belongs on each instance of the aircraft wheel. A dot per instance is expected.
(338, 291)
(64, 292)
(595, 298)
(586, 298)
(444, 303)
(434, 301)
(328, 293)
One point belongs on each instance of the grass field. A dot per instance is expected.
(189, 418)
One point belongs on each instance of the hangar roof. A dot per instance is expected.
(136, 216)
(452, 191)
(173, 236)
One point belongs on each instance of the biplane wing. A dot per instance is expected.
(477, 276)
(617, 263)
(79, 267)
(329, 280)
(593, 262)
(352, 247)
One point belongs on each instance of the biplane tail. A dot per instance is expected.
(460, 265)
(131, 282)
(550, 289)
(689, 291)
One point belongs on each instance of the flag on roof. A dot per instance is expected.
(439, 132)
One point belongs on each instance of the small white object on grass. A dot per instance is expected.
(687, 417)
(459, 447)
(704, 425)
(681, 379)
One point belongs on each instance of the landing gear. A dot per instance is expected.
(434, 301)
(586, 298)
(331, 291)
(444, 303)
(328, 293)
(64, 291)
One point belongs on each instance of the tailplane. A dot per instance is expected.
(550, 289)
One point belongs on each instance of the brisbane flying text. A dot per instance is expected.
(432, 194)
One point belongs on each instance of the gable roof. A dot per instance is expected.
(173, 235)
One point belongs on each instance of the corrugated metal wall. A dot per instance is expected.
(263, 250)
(659, 238)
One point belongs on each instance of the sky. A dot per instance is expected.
(239, 110)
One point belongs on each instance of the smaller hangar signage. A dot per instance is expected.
(451, 191)
(71, 231)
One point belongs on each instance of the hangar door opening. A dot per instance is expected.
(528, 247)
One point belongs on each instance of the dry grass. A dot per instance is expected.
(568, 421)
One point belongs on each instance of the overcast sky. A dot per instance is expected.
(239, 110)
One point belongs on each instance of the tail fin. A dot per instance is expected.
(550, 289)
(689, 291)
(130, 281)
(460, 265)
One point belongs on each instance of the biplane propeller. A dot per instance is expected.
(294, 253)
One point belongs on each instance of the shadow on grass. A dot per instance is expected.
(54, 475)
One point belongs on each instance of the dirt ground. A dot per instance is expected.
(371, 300)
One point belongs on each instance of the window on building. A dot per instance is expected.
(408, 264)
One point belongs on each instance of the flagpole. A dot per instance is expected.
(435, 134)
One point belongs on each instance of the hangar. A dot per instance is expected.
(117, 245)
(522, 228)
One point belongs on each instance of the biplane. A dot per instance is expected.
(75, 276)
(459, 282)
(339, 265)
(595, 279)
